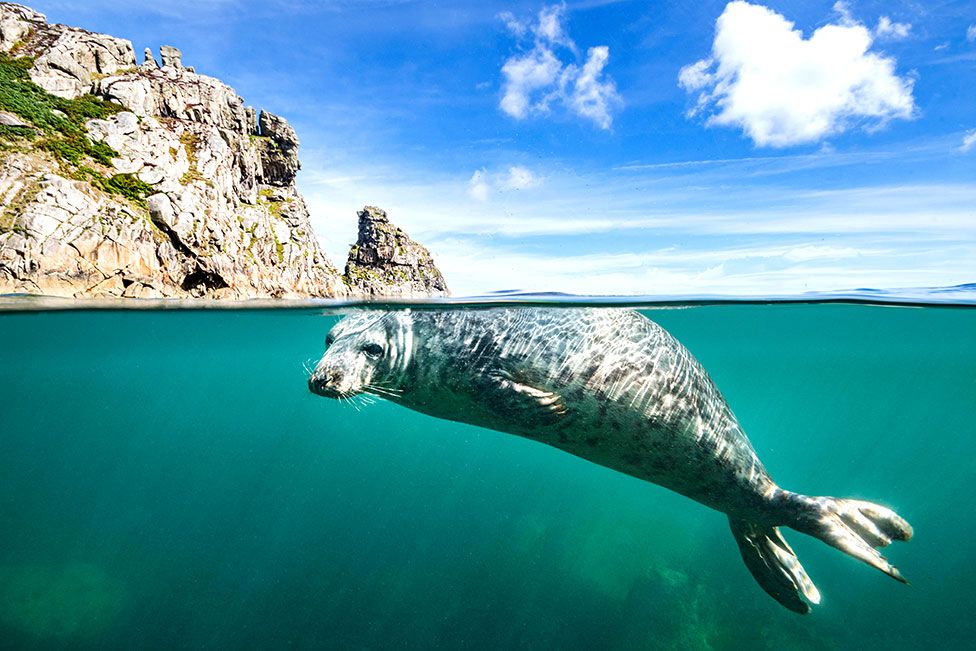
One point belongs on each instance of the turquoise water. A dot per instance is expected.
(167, 481)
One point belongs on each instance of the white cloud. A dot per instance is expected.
(773, 270)
(891, 30)
(550, 26)
(968, 141)
(536, 79)
(524, 76)
(971, 33)
(783, 89)
(517, 27)
(519, 178)
(482, 184)
(842, 9)
(593, 98)
(809, 252)
(478, 186)
(761, 237)
(696, 76)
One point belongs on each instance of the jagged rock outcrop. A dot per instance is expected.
(148, 60)
(386, 262)
(66, 59)
(185, 191)
(171, 56)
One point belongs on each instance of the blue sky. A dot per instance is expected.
(615, 147)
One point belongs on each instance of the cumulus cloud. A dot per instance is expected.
(971, 34)
(783, 89)
(591, 97)
(968, 141)
(530, 83)
(516, 177)
(549, 73)
(891, 30)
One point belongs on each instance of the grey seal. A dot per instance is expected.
(610, 386)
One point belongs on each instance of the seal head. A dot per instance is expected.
(362, 353)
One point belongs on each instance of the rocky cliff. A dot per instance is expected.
(386, 262)
(149, 180)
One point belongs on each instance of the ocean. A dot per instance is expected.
(167, 481)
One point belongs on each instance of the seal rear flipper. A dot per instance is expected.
(775, 567)
(855, 527)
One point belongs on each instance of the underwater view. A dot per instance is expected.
(169, 480)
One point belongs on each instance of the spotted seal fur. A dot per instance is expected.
(612, 387)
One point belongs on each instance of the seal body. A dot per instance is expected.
(612, 387)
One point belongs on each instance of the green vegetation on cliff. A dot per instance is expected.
(58, 127)
(129, 186)
(59, 122)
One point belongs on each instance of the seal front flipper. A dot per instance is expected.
(515, 392)
(775, 567)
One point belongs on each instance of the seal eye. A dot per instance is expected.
(373, 351)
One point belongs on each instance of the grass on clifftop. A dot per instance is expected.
(60, 128)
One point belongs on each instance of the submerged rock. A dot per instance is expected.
(68, 604)
(386, 262)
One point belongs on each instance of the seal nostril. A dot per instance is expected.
(318, 383)
(323, 382)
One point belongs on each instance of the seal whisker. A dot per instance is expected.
(365, 400)
(383, 394)
(384, 386)
(351, 401)
(387, 391)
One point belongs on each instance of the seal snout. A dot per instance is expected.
(325, 383)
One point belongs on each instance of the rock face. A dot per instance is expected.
(180, 191)
(66, 59)
(386, 262)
